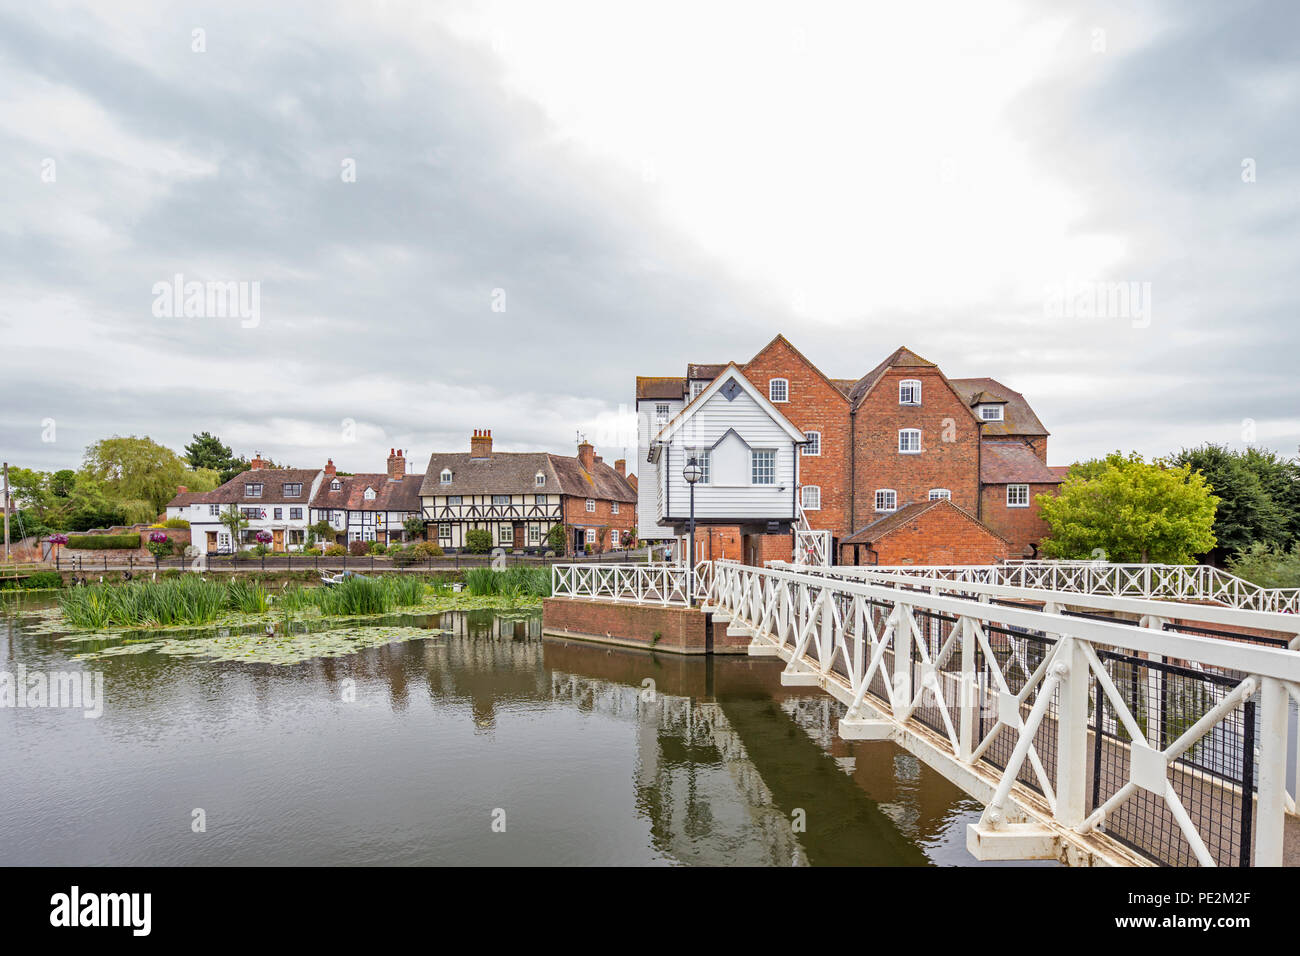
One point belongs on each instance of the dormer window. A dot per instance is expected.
(909, 392)
(293, 489)
(252, 490)
(335, 485)
(370, 494)
(696, 388)
(778, 390)
(990, 413)
(445, 477)
(539, 479)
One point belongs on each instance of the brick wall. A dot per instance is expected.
(761, 548)
(949, 456)
(576, 515)
(1023, 527)
(939, 536)
(680, 629)
(813, 404)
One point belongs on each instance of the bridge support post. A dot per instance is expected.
(1072, 734)
(1271, 808)
(902, 658)
(967, 699)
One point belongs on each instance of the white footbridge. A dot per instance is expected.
(1102, 714)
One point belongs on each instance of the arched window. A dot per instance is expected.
(937, 493)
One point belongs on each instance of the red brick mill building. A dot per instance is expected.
(902, 465)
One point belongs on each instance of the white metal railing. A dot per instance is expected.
(810, 547)
(1177, 582)
(925, 668)
(640, 583)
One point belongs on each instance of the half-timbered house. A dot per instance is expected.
(370, 506)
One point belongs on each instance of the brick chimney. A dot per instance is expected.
(620, 466)
(587, 455)
(329, 467)
(396, 464)
(480, 446)
(181, 489)
(258, 461)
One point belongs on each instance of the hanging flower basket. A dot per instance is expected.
(263, 537)
(157, 537)
(57, 539)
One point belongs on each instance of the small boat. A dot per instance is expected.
(328, 579)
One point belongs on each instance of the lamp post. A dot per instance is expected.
(692, 473)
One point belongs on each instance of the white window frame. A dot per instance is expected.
(534, 534)
(214, 509)
(696, 388)
(892, 497)
(248, 489)
(763, 476)
(785, 390)
(539, 480)
(940, 494)
(591, 506)
(815, 438)
(914, 386)
(614, 507)
(335, 485)
(506, 534)
(902, 432)
(1018, 504)
(817, 495)
(444, 477)
(663, 411)
(995, 409)
(590, 537)
(444, 530)
(701, 457)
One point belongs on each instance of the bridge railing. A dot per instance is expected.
(642, 583)
(1075, 732)
(1168, 581)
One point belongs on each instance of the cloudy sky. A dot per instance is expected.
(495, 215)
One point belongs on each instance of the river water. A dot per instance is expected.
(482, 744)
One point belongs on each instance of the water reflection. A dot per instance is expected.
(597, 755)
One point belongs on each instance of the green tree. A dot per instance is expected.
(1280, 478)
(1247, 512)
(233, 519)
(1129, 510)
(208, 451)
(478, 540)
(62, 482)
(414, 527)
(136, 469)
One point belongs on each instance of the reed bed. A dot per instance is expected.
(512, 582)
(192, 601)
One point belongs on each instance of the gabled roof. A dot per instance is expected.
(1007, 462)
(1017, 417)
(514, 473)
(401, 495)
(799, 355)
(730, 373)
(186, 498)
(272, 481)
(601, 482)
(904, 515)
(901, 357)
(709, 372)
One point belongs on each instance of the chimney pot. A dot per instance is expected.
(587, 455)
(480, 446)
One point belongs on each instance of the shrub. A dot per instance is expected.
(427, 549)
(312, 552)
(393, 549)
(175, 523)
(105, 542)
(405, 557)
(375, 548)
(1268, 567)
(478, 540)
(359, 548)
(334, 550)
(556, 538)
(42, 579)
